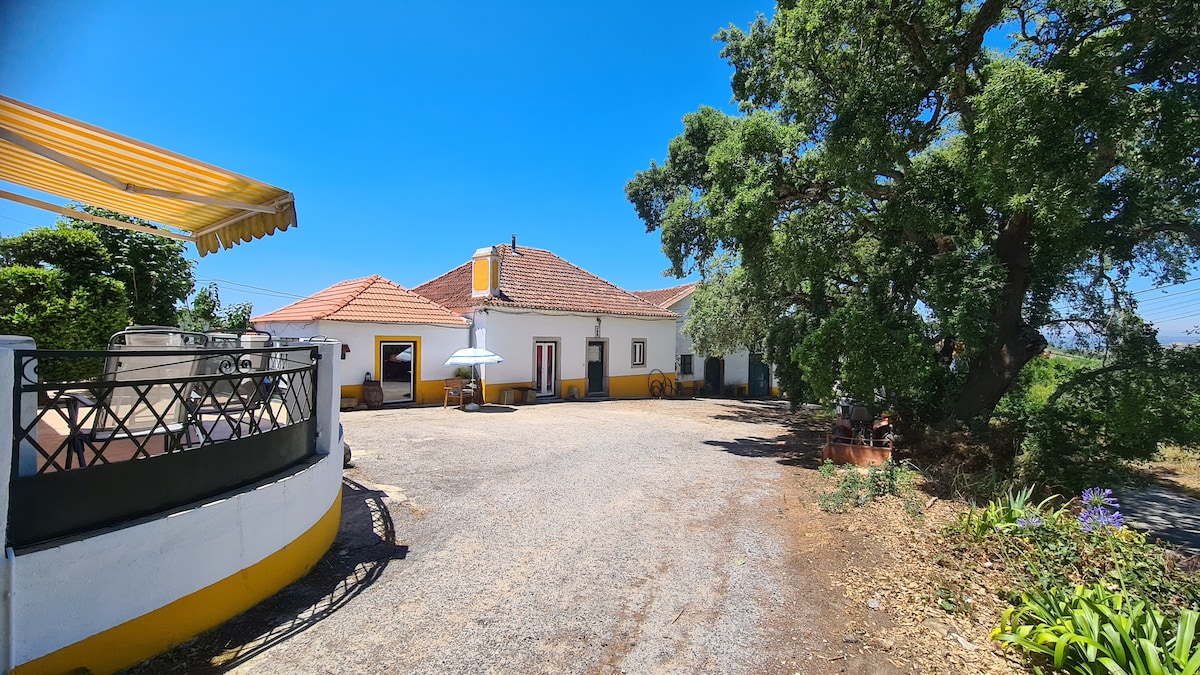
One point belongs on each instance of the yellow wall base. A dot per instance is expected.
(153, 633)
(428, 391)
(626, 386)
(580, 387)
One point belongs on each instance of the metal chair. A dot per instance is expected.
(152, 400)
(236, 389)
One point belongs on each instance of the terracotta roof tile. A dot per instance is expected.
(370, 299)
(532, 278)
(665, 297)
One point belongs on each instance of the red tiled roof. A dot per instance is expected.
(370, 299)
(665, 297)
(535, 279)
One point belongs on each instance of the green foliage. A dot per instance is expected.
(207, 313)
(1053, 548)
(1007, 514)
(1119, 412)
(951, 600)
(74, 285)
(1093, 631)
(784, 336)
(52, 288)
(1131, 611)
(902, 199)
(858, 488)
(722, 318)
(156, 275)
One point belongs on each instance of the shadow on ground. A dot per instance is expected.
(799, 446)
(1168, 514)
(365, 544)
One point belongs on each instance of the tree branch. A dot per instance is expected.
(1076, 319)
(1189, 230)
(1086, 376)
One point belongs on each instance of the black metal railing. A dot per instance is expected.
(155, 428)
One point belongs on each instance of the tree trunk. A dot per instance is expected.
(994, 368)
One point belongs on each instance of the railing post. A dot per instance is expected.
(328, 397)
(26, 405)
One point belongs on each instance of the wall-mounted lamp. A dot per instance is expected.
(597, 326)
(345, 350)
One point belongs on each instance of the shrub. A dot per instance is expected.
(1093, 631)
(1082, 544)
(857, 488)
(1131, 611)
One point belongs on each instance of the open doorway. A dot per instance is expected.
(396, 372)
(714, 375)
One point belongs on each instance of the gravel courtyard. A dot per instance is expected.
(601, 536)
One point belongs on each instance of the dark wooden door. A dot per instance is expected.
(714, 375)
(760, 376)
(595, 367)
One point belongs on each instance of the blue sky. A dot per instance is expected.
(411, 133)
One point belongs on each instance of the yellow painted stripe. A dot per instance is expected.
(629, 386)
(153, 633)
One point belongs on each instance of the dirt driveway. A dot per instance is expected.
(609, 536)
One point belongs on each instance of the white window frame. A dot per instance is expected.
(633, 356)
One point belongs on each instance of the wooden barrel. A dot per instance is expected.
(373, 394)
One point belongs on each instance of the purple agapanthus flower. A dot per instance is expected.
(1099, 517)
(1099, 498)
(1029, 522)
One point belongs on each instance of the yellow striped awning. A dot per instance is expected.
(211, 207)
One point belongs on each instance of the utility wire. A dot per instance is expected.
(1176, 318)
(1157, 288)
(254, 289)
(1172, 307)
(1167, 296)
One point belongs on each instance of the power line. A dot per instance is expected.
(1172, 307)
(1177, 318)
(1157, 288)
(19, 221)
(1167, 296)
(257, 290)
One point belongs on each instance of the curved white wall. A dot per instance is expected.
(65, 594)
(62, 595)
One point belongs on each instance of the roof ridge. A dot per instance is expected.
(310, 296)
(428, 301)
(596, 276)
(668, 288)
(350, 297)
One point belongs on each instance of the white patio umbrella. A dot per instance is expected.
(472, 356)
